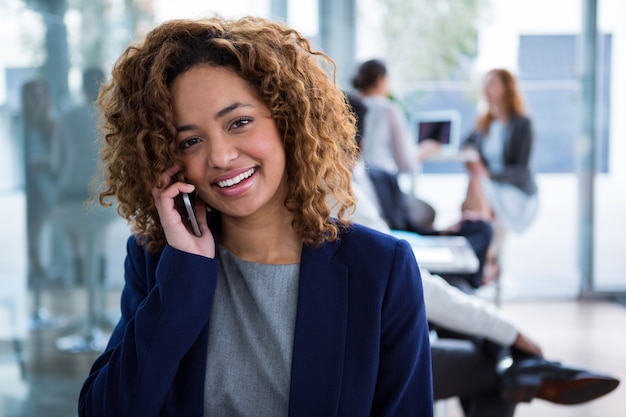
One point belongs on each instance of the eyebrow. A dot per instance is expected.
(218, 115)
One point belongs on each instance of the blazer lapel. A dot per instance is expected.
(320, 333)
(507, 146)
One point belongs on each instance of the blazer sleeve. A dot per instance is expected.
(517, 153)
(471, 141)
(404, 386)
(165, 304)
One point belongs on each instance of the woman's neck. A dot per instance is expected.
(262, 240)
(499, 113)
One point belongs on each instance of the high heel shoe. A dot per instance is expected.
(531, 378)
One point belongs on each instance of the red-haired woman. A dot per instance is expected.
(501, 184)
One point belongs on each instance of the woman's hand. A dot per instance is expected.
(477, 168)
(176, 233)
(426, 148)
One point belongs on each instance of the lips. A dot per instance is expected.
(236, 179)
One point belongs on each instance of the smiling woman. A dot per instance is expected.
(275, 308)
(230, 147)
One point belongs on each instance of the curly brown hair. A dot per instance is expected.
(311, 113)
(513, 102)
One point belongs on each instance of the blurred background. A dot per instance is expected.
(563, 279)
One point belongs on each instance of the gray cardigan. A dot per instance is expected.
(518, 143)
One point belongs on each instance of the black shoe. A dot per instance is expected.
(551, 381)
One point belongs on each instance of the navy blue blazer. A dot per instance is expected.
(361, 343)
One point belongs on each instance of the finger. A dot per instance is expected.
(164, 195)
(170, 175)
(175, 189)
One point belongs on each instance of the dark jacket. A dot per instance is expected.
(361, 343)
(518, 143)
(393, 204)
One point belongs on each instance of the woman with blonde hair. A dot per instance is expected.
(270, 306)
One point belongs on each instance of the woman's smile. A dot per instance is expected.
(235, 184)
(237, 179)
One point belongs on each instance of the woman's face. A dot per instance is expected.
(493, 89)
(229, 143)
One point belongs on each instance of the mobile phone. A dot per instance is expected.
(188, 215)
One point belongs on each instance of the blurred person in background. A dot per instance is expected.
(387, 142)
(387, 150)
(75, 162)
(501, 186)
(39, 175)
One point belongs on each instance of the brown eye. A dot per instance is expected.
(187, 143)
(240, 122)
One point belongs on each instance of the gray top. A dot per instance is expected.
(251, 333)
(493, 146)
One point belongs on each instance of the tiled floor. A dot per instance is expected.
(589, 334)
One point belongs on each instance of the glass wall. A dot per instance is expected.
(610, 201)
(439, 67)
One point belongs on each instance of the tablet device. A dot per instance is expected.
(441, 126)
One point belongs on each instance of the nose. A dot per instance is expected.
(221, 151)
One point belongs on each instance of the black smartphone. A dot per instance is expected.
(185, 208)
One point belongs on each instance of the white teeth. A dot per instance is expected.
(236, 180)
